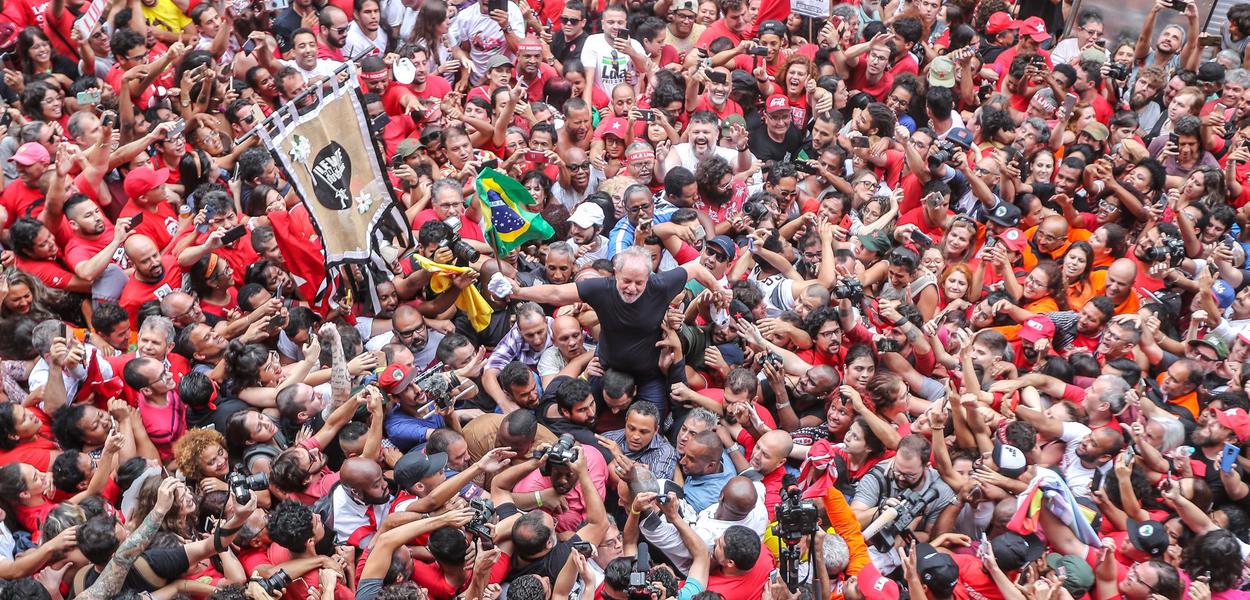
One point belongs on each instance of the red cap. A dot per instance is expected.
(612, 125)
(1237, 420)
(1035, 28)
(875, 587)
(30, 153)
(143, 180)
(1000, 22)
(1013, 239)
(777, 102)
(395, 378)
(1037, 328)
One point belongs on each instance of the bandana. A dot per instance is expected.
(374, 76)
(529, 45)
(211, 267)
(639, 156)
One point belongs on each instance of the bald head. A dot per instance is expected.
(772, 451)
(1051, 234)
(145, 256)
(363, 478)
(737, 499)
(1120, 277)
(565, 325)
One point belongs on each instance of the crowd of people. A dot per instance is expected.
(936, 300)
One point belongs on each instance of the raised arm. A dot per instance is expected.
(110, 581)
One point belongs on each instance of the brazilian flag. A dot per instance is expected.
(507, 222)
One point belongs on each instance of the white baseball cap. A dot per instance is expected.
(587, 215)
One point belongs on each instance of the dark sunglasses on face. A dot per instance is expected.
(570, 20)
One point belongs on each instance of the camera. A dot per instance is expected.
(757, 51)
(463, 253)
(946, 150)
(483, 512)
(796, 517)
(849, 288)
(242, 486)
(886, 344)
(756, 211)
(806, 167)
(639, 588)
(437, 385)
(564, 452)
(772, 358)
(1117, 71)
(274, 584)
(1169, 250)
(896, 520)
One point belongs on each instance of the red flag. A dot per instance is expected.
(305, 260)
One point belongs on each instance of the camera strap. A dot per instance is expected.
(222, 532)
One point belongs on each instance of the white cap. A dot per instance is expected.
(587, 215)
(404, 71)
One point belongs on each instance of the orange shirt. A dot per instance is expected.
(1074, 235)
(846, 525)
(1045, 304)
(1130, 305)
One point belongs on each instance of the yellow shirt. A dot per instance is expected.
(166, 15)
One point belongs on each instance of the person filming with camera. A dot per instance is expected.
(909, 486)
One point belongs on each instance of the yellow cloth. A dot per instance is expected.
(470, 300)
(166, 15)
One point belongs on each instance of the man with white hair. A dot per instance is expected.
(630, 307)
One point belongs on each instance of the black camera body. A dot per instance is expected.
(946, 150)
(275, 583)
(483, 512)
(242, 486)
(756, 211)
(1117, 71)
(757, 51)
(849, 288)
(564, 452)
(771, 358)
(796, 518)
(1170, 250)
(887, 344)
(463, 253)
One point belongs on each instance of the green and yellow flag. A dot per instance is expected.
(506, 221)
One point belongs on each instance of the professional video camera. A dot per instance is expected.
(796, 517)
(849, 288)
(483, 512)
(437, 383)
(639, 587)
(242, 486)
(894, 520)
(460, 249)
(564, 452)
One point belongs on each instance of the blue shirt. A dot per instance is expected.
(622, 234)
(703, 491)
(407, 431)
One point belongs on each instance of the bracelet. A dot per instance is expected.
(781, 406)
(634, 512)
(735, 448)
(538, 497)
(900, 322)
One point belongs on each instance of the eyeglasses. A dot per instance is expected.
(570, 20)
(194, 308)
(273, 362)
(342, 30)
(1133, 575)
(637, 209)
(717, 256)
(1107, 207)
(164, 376)
(140, 58)
(248, 119)
(579, 166)
(684, 16)
(407, 333)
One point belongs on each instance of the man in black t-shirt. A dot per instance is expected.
(773, 135)
(630, 308)
(569, 39)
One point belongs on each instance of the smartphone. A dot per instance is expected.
(249, 47)
(490, 164)
(646, 115)
(921, 239)
(208, 216)
(859, 141)
(535, 156)
(499, 5)
(233, 235)
(5, 118)
(1174, 139)
(718, 77)
(179, 127)
(108, 120)
(397, 161)
(1228, 457)
(380, 122)
(1069, 101)
(277, 321)
(583, 548)
(757, 51)
(136, 220)
(88, 97)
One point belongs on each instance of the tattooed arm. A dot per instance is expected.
(110, 581)
(340, 379)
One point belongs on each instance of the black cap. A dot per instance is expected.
(1013, 551)
(1150, 537)
(938, 571)
(415, 466)
(744, 80)
(1211, 72)
(773, 27)
(1005, 214)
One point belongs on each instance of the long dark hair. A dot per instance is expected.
(243, 365)
(25, 41)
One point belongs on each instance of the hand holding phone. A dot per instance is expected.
(1228, 458)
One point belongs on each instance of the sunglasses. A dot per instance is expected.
(570, 20)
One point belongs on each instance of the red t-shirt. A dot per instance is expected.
(534, 89)
(469, 230)
(159, 224)
(747, 585)
(78, 249)
(53, 274)
(859, 81)
(974, 583)
(717, 30)
(38, 451)
(731, 107)
(137, 292)
(19, 200)
(32, 517)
